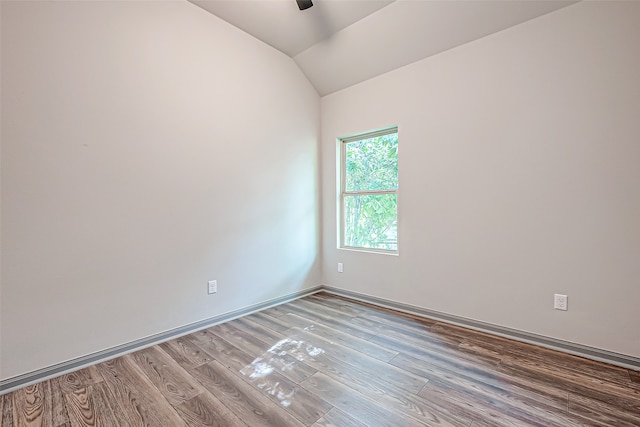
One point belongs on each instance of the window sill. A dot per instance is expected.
(370, 251)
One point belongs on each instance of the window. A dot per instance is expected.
(368, 191)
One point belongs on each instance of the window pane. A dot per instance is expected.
(372, 164)
(371, 221)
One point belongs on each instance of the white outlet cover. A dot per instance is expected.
(213, 286)
(340, 267)
(560, 302)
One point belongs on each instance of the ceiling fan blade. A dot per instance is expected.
(304, 4)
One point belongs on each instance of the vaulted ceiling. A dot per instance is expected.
(339, 43)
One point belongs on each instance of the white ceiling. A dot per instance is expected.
(338, 43)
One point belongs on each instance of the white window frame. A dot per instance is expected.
(342, 192)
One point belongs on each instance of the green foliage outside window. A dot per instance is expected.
(370, 201)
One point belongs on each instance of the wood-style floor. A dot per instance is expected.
(328, 361)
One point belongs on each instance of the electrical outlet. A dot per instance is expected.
(213, 286)
(560, 302)
(340, 269)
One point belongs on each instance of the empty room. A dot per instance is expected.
(320, 213)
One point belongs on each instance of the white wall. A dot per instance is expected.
(147, 147)
(519, 178)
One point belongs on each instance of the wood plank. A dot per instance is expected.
(536, 378)
(206, 410)
(337, 418)
(609, 414)
(334, 335)
(241, 339)
(433, 348)
(392, 394)
(266, 334)
(94, 406)
(29, 406)
(274, 323)
(479, 414)
(311, 344)
(366, 368)
(297, 321)
(265, 373)
(59, 411)
(342, 306)
(278, 311)
(81, 407)
(393, 397)
(223, 351)
(375, 314)
(6, 409)
(139, 399)
(247, 403)
(535, 354)
(79, 379)
(370, 349)
(502, 405)
(175, 384)
(413, 332)
(342, 361)
(357, 405)
(484, 382)
(370, 308)
(289, 365)
(8, 398)
(324, 309)
(109, 411)
(383, 326)
(586, 385)
(303, 405)
(450, 359)
(634, 375)
(340, 323)
(40, 404)
(236, 358)
(493, 423)
(185, 352)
